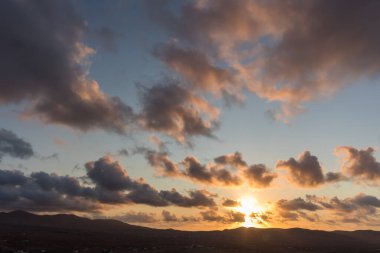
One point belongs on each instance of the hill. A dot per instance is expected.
(69, 233)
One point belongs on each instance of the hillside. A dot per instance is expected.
(68, 233)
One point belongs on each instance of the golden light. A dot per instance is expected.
(249, 205)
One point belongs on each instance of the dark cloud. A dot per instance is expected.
(297, 204)
(213, 175)
(195, 67)
(230, 217)
(177, 112)
(361, 165)
(192, 169)
(123, 152)
(107, 183)
(136, 217)
(12, 177)
(197, 198)
(362, 206)
(43, 192)
(230, 203)
(221, 172)
(168, 217)
(259, 175)
(162, 162)
(14, 146)
(143, 193)
(234, 159)
(332, 177)
(109, 174)
(366, 200)
(283, 51)
(306, 171)
(44, 63)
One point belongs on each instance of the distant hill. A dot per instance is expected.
(67, 233)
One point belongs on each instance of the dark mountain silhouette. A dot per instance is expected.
(69, 233)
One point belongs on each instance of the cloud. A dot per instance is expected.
(213, 175)
(332, 177)
(190, 168)
(109, 174)
(283, 51)
(43, 192)
(361, 165)
(44, 63)
(177, 112)
(14, 146)
(361, 208)
(195, 67)
(162, 162)
(230, 203)
(197, 198)
(306, 171)
(229, 217)
(12, 177)
(168, 217)
(259, 175)
(137, 217)
(219, 173)
(123, 152)
(108, 184)
(297, 204)
(235, 159)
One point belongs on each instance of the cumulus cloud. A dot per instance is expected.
(191, 168)
(43, 192)
(44, 63)
(14, 146)
(283, 51)
(108, 184)
(197, 198)
(162, 162)
(226, 170)
(109, 174)
(259, 175)
(194, 66)
(297, 204)
(230, 203)
(168, 216)
(213, 175)
(235, 159)
(177, 112)
(306, 171)
(137, 217)
(361, 165)
(229, 217)
(360, 208)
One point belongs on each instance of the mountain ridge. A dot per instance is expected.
(64, 232)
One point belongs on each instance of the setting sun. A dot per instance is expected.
(249, 205)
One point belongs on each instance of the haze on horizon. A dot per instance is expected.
(194, 115)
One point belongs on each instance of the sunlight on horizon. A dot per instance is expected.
(249, 205)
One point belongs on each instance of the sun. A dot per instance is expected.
(249, 205)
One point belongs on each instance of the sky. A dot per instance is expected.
(192, 115)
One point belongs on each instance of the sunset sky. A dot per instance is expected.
(192, 115)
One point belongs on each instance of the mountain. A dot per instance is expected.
(69, 233)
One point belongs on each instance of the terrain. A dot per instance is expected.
(69, 233)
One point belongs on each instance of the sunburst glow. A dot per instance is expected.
(249, 205)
